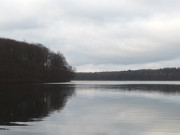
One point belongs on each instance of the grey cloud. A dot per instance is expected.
(116, 10)
(99, 33)
(20, 25)
(142, 47)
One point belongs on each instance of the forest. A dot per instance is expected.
(164, 74)
(32, 62)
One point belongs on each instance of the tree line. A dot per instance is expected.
(31, 62)
(143, 74)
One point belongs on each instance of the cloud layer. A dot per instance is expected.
(99, 35)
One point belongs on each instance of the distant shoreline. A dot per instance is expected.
(165, 74)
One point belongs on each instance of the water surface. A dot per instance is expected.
(90, 108)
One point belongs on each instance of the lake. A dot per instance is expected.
(91, 108)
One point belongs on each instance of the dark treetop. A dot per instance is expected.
(25, 62)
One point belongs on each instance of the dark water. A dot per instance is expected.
(90, 108)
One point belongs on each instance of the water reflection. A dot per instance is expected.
(160, 88)
(25, 102)
(124, 109)
(96, 109)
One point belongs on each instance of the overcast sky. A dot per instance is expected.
(99, 35)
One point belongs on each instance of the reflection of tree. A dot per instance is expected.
(23, 103)
(162, 88)
(168, 89)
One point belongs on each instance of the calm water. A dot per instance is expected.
(90, 108)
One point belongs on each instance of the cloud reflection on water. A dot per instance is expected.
(111, 109)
